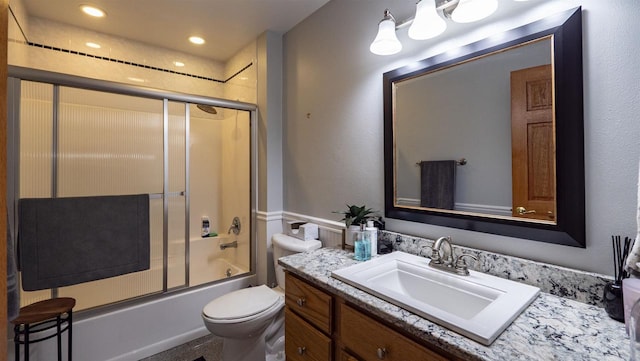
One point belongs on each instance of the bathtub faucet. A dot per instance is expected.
(233, 244)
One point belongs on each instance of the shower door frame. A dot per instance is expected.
(16, 74)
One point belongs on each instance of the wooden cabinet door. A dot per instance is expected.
(303, 342)
(532, 144)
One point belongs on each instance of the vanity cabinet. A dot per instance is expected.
(320, 326)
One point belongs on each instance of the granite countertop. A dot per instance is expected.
(551, 328)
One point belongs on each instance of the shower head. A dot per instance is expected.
(207, 108)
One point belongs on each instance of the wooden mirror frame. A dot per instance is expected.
(569, 229)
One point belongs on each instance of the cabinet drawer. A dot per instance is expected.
(309, 302)
(372, 341)
(303, 342)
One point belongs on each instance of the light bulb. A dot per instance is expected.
(426, 24)
(468, 11)
(386, 41)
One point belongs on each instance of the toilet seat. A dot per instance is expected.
(243, 305)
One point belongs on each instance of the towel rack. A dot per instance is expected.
(461, 161)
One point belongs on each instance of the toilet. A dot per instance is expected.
(251, 320)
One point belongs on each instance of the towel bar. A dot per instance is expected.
(461, 161)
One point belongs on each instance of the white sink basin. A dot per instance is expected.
(479, 306)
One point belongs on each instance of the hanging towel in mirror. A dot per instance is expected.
(437, 183)
(66, 241)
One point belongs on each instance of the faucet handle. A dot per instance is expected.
(435, 256)
(461, 265)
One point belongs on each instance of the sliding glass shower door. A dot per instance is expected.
(194, 165)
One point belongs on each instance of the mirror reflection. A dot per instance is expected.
(477, 137)
(510, 107)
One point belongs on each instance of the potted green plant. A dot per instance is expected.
(353, 217)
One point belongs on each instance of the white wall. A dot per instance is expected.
(333, 129)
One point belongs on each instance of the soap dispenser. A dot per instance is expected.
(373, 235)
(362, 246)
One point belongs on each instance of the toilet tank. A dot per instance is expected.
(284, 245)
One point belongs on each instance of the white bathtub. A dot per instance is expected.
(141, 330)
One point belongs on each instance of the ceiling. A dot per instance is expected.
(226, 25)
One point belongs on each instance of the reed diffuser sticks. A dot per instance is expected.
(620, 253)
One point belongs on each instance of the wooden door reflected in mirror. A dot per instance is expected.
(532, 145)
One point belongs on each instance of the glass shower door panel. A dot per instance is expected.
(176, 269)
(177, 173)
(112, 144)
(36, 145)
(109, 144)
(236, 183)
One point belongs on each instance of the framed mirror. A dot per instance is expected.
(491, 139)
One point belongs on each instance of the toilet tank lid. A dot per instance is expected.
(294, 244)
(241, 303)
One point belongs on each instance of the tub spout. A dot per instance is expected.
(233, 244)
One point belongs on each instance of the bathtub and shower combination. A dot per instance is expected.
(80, 137)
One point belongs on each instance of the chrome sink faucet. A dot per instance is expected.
(445, 261)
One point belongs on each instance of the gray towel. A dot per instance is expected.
(437, 183)
(66, 241)
(13, 292)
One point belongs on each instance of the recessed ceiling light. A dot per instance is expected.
(93, 11)
(196, 40)
(93, 45)
(178, 63)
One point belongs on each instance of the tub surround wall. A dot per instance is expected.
(240, 87)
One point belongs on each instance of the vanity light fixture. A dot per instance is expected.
(93, 11)
(427, 24)
(386, 42)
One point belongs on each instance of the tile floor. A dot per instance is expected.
(207, 348)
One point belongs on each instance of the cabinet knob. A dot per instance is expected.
(301, 350)
(301, 301)
(381, 352)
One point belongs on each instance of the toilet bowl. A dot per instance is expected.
(251, 320)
